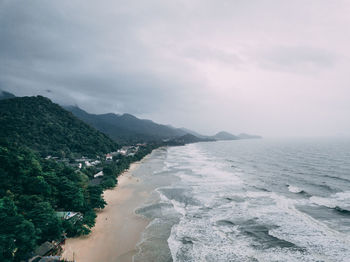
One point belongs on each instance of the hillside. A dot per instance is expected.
(6, 95)
(225, 136)
(47, 128)
(188, 139)
(189, 131)
(127, 128)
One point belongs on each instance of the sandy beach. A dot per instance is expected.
(117, 229)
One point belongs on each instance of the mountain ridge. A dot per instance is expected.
(128, 129)
(126, 126)
(46, 127)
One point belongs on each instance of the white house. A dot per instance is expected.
(99, 174)
(109, 157)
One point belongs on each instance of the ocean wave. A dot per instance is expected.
(153, 210)
(343, 211)
(232, 222)
(339, 202)
(338, 178)
(225, 223)
(294, 189)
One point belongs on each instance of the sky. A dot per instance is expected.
(267, 67)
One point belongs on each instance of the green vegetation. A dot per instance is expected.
(36, 194)
(32, 189)
(49, 129)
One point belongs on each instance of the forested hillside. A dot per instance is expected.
(127, 128)
(49, 129)
(31, 191)
(34, 191)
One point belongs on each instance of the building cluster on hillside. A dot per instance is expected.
(124, 151)
(47, 252)
(128, 150)
(85, 162)
(76, 163)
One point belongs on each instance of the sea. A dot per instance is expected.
(248, 200)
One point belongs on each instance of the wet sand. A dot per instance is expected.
(118, 229)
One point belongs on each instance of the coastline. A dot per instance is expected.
(118, 229)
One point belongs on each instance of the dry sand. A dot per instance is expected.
(117, 229)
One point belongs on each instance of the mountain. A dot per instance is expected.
(188, 139)
(225, 136)
(188, 131)
(6, 95)
(127, 128)
(247, 136)
(47, 128)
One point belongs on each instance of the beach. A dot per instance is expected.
(118, 229)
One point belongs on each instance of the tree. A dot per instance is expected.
(95, 197)
(17, 235)
(44, 218)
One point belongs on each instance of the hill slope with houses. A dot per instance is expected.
(53, 170)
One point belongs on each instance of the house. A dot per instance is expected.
(109, 157)
(122, 152)
(96, 162)
(66, 215)
(45, 249)
(50, 259)
(44, 253)
(69, 215)
(99, 174)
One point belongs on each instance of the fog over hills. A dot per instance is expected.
(128, 129)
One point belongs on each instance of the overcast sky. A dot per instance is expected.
(264, 67)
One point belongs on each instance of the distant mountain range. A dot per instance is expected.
(225, 136)
(128, 129)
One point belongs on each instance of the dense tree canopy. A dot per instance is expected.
(34, 190)
(31, 191)
(49, 129)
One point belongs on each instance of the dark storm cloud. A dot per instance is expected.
(48, 45)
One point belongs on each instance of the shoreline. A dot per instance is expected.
(118, 228)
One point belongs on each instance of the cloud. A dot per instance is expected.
(207, 55)
(235, 65)
(298, 59)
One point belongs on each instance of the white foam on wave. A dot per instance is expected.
(294, 226)
(212, 185)
(294, 189)
(340, 199)
(179, 207)
(322, 201)
(303, 230)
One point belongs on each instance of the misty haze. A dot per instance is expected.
(188, 131)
